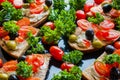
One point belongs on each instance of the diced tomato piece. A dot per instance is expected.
(101, 68)
(23, 22)
(117, 51)
(1, 62)
(3, 33)
(36, 60)
(2, 1)
(115, 13)
(7, 37)
(88, 6)
(11, 1)
(18, 3)
(10, 65)
(33, 78)
(36, 9)
(107, 25)
(83, 24)
(102, 78)
(87, 43)
(40, 1)
(98, 1)
(95, 27)
(19, 39)
(117, 44)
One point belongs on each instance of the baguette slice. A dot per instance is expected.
(89, 73)
(42, 71)
(22, 47)
(78, 32)
(42, 20)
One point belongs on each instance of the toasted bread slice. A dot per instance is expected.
(42, 70)
(90, 73)
(42, 20)
(22, 47)
(78, 32)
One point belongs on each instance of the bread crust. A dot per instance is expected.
(23, 46)
(74, 45)
(42, 70)
(89, 73)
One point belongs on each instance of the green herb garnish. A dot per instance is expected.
(24, 70)
(73, 57)
(74, 74)
(97, 19)
(117, 21)
(116, 4)
(35, 46)
(111, 58)
(11, 27)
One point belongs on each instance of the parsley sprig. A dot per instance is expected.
(73, 57)
(75, 73)
(35, 46)
(97, 19)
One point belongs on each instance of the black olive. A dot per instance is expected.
(13, 77)
(89, 34)
(25, 1)
(22, 58)
(114, 74)
(48, 2)
(109, 49)
(106, 8)
(13, 35)
(1, 23)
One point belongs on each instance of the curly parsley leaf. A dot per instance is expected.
(111, 58)
(97, 19)
(116, 4)
(75, 73)
(24, 69)
(73, 57)
(117, 21)
(11, 27)
(9, 12)
(35, 46)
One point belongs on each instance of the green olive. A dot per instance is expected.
(11, 45)
(3, 76)
(72, 38)
(97, 44)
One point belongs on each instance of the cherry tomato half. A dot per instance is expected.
(117, 44)
(18, 3)
(88, 6)
(83, 24)
(66, 66)
(107, 25)
(101, 68)
(80, 14)
(56, 52)
(50, 24)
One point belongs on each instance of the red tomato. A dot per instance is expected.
(36, 9)
(2, 1)
(50, 24)
(98, 1)
(33, 78)
(39, 1)
(87, 43)
(1, 62)
(115, 13)
(83, 24)
(11, 1)
(23, 22)
(107, 25)
(66, 66)
(36, 60)
(95, 27)
(117, 44)
(10, 65)
(3, 33)
(100, 34)
(101, 68)
(80, 14)
(18, 3)
(96, 9)
(88, 6)
(102, 78)
(112, 36)
(56, 52)
(110, 66)
(117, 51)
(19, 39)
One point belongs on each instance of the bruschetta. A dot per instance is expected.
(105, 67)
(30, 67)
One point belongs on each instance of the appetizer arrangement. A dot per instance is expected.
(31, 27)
